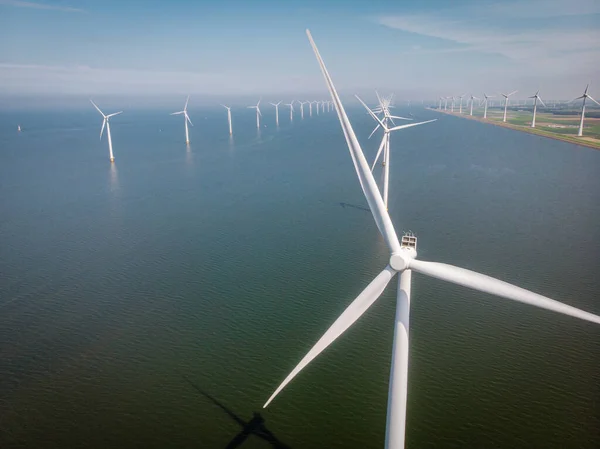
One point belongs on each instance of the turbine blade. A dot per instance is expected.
(590, 97)
(102, 130)
(97, 108)
(113, 114)
(487, 284)
(186, 103)
(373, 132)
(578, 98)
(411, 124)
(378, 152)
(371, 112)
(512, 93)
(399, 118)
(540, 98)
(365, 177)
(187, 117)
(352, 313)
(177, 113)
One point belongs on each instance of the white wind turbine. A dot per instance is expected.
(105, 122)
(228, 118)
(446, 103)
(317, 103)
(310, 103)
(186, 119)
(485, 104)
(403, 261)
(473, 97)
(536, 97)
(323, 106)
(276, 112)
(385, 145)
(506, 103)
(302, 103)
(461, 98)
(584, 96)
(291, 105)
(258, 114)
(452, 107)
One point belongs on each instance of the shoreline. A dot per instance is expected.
(570, 139)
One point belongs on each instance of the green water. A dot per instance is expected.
(224, 262)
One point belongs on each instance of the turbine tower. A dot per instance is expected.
(310, 103)
(485, 104)
(228, 118)
(105, 122)
(258, 114)
(403, 261)
(472, 98)
(302, 109)
(186, 119)
(506, 103)
(291, 105)
(536, 97)
(461, 98)
(584, 96)
(318, 103)
(276, 112)
(452, 107)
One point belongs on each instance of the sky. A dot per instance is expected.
(232, 48)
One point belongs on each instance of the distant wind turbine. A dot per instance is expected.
(317, 103)
(258, 114)
(452, 107)
(385, 145)
(536, 97)
(186, 119)
(228, 118)
(105, 122)
(403, 261)
(485, 104)
(506, 103)
(302, 103)
(276, 112)
(461, 98)
(473, 97)
(584, 96)
(291, 105)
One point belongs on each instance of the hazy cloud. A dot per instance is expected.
(33, 5)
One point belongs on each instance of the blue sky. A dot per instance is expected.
(417, 49)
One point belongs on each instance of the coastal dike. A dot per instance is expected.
(583, 141)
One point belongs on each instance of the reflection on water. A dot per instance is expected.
(113, 179)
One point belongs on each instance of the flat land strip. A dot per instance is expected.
(553, 126)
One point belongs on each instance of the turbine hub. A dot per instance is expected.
(398, 262)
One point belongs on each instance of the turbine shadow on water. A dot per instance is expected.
(354, 206)
(256, 425)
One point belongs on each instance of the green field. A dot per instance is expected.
(566, 125)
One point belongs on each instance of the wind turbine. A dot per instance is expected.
(461, 98)
(584, 96)
(258, 114)
(106, 123)
(446, 103)
(302, 109)
(440, 105)
(472, 98)
(403, 261)
(453, 98)
(506, 103)
(318, 103)
(276, 112)
(485, 104)
(186, 119)
(536, 97)
(228, 118)
(385, 146)
(291, 105)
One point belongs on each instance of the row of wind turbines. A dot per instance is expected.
(323, 106)
(403, 261)
(536, 97)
